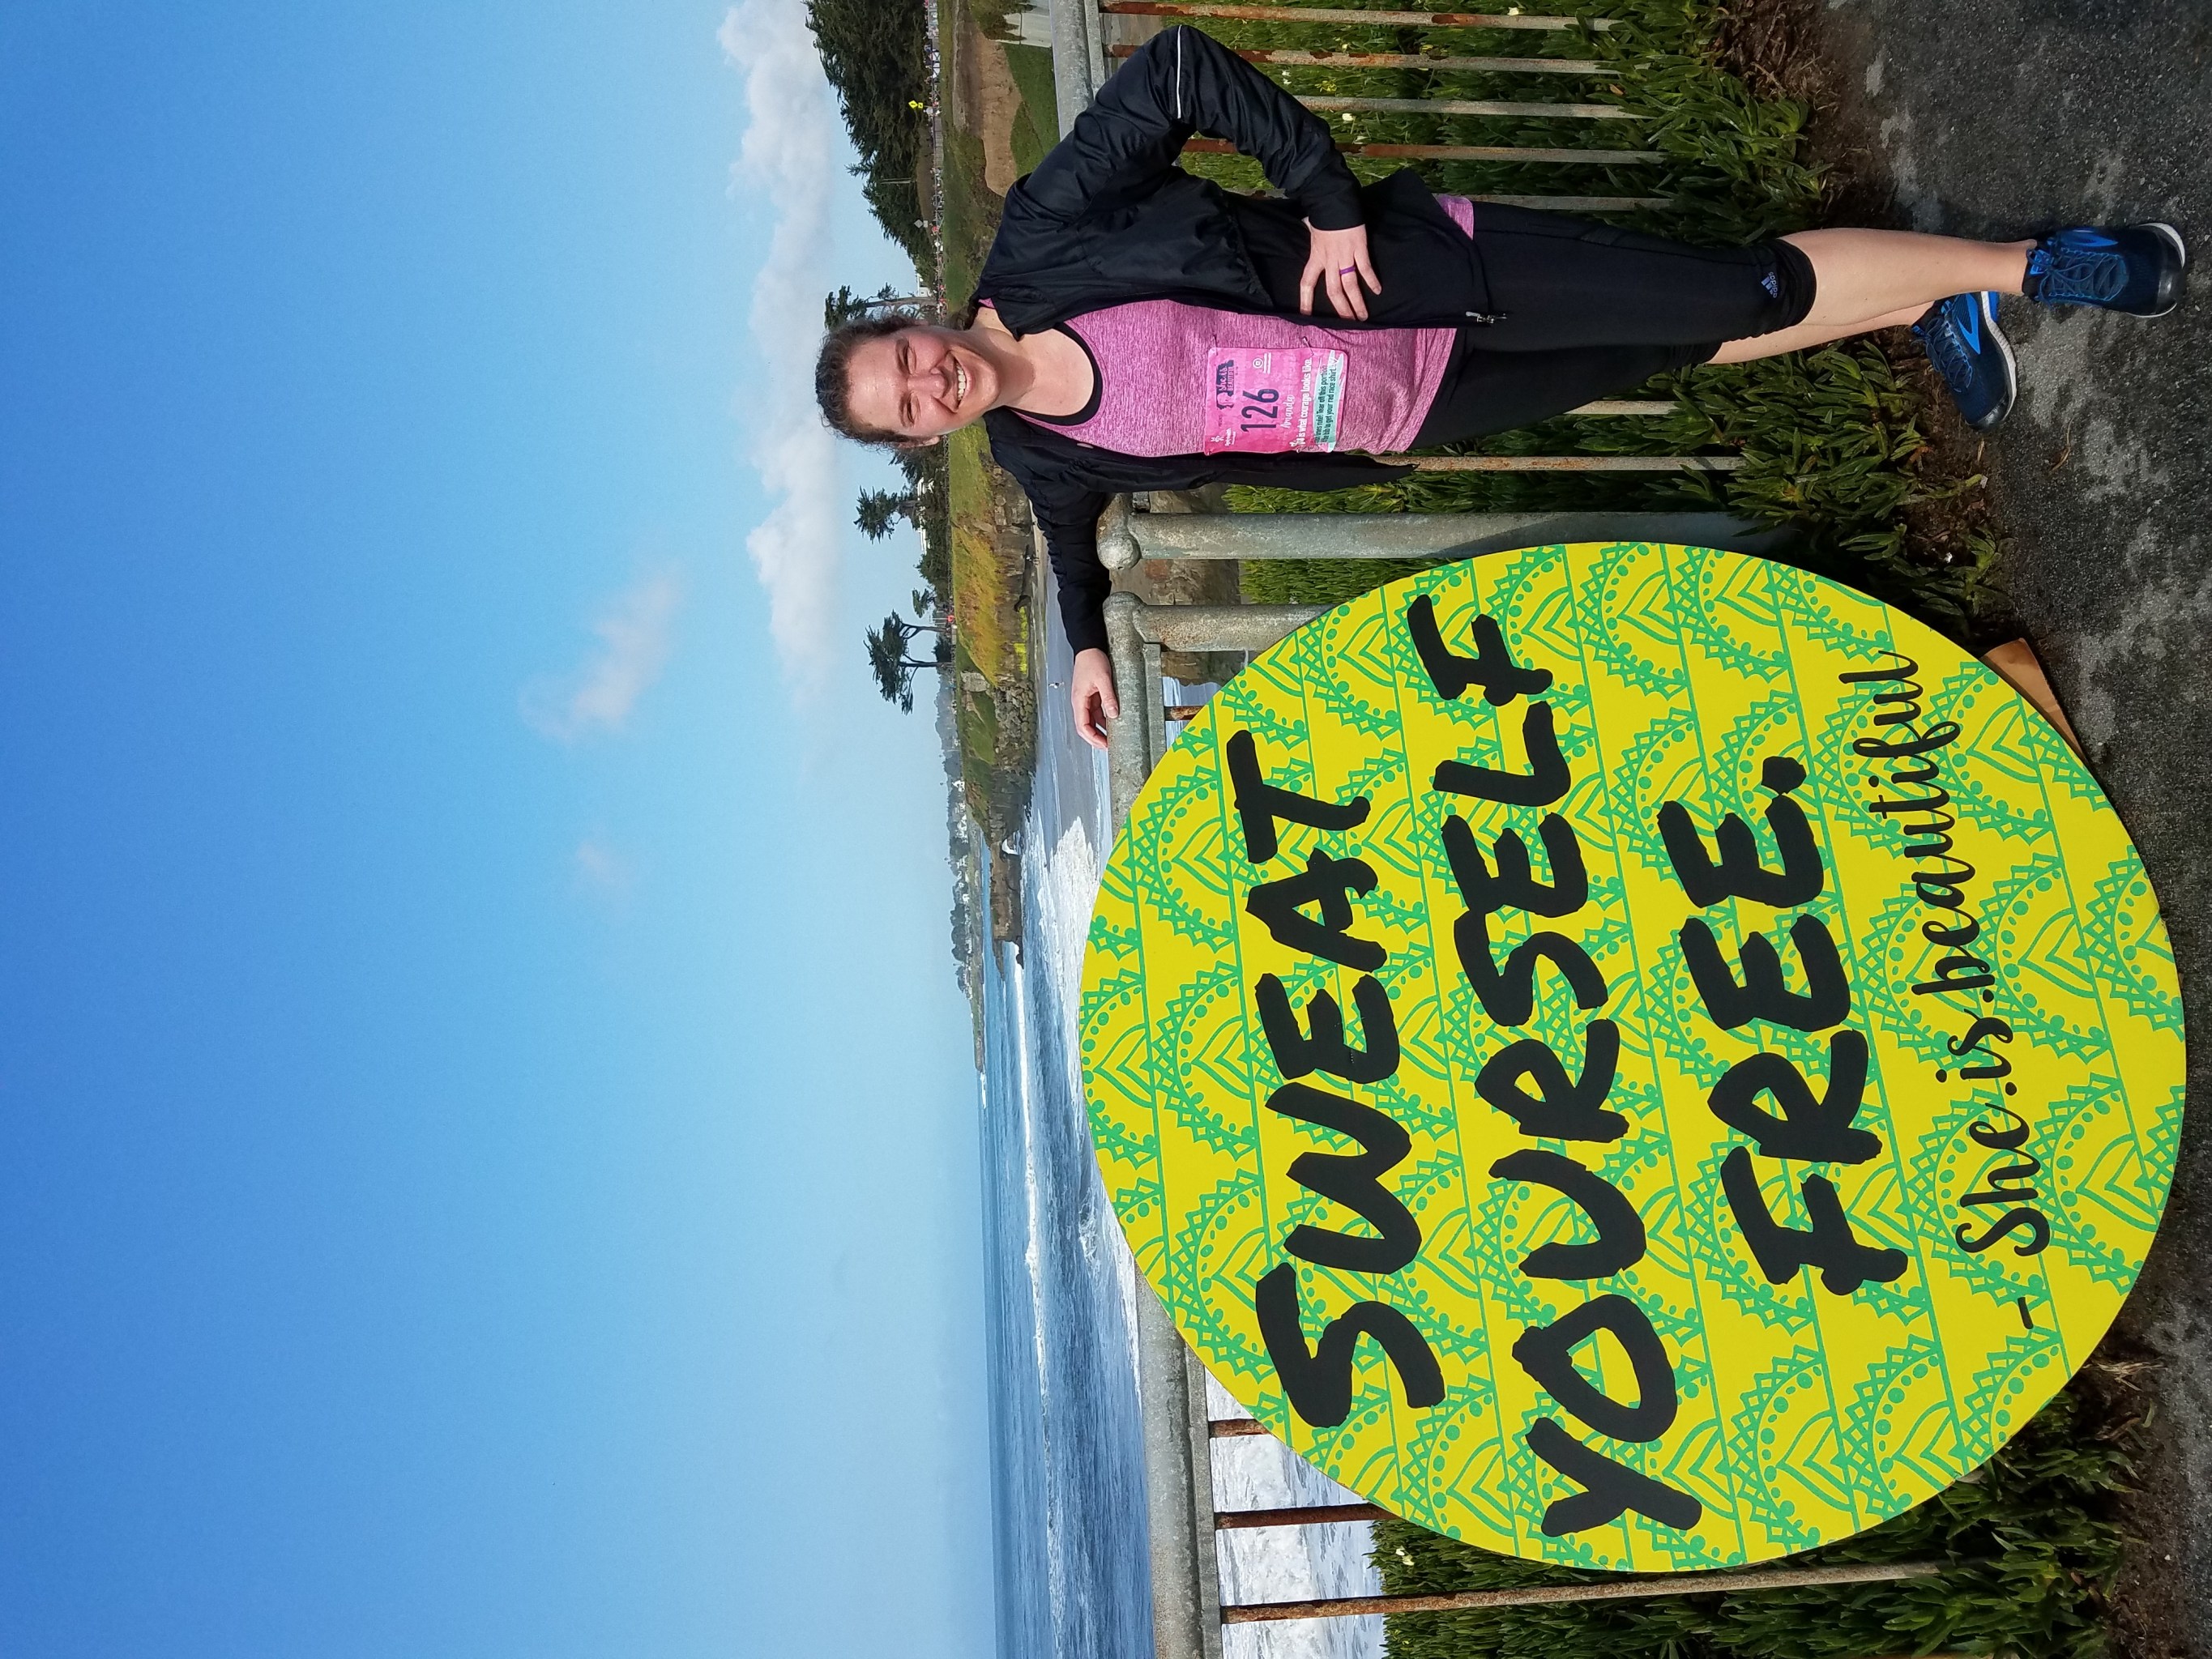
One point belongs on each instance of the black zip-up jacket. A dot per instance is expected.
(1108, 217)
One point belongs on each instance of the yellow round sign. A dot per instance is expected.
(1632, 1055)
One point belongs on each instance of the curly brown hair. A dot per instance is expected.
(833, 379)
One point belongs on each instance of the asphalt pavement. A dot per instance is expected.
(2000, 118)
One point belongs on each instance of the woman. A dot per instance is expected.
(1138, 328)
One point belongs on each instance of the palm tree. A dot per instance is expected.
(878, 508)
(887, 660)
(844, 306)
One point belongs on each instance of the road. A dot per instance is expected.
(2000, 118)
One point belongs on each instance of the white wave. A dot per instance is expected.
(1061, 886)
(1272, 1564)
(1288, 1564)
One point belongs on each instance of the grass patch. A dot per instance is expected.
(987, 519)
(967, 217)
(967, 211)
(989, 612)
(2029, 1564)
(1036, 126)
(977, 718)
(997, 722)
(993, 18)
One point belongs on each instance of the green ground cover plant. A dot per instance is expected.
(1036, 126)
(1834, 443)
(2029, 1558)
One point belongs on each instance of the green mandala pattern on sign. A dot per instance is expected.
(1634, 1304)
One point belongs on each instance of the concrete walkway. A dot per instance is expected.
(1999, 118)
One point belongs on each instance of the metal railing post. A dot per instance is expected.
(1128, 762)
(1187, 1613)
(1444, 65)
(1623, 1590)
(1342, 16)
(1413, 535)
(1248, 628)
(1078, 57)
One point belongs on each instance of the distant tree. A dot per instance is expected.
(935, 564)
(844, 305)
(925, 601)
(877, 55)
(926, 474)
(878, 508)
(923, 465)
(893, 668)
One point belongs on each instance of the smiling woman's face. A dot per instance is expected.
(920, 382)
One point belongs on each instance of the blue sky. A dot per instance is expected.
(487, 1131)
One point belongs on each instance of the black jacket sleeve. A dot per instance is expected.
(1069, 484)
(1067, 513)
(1179, 83)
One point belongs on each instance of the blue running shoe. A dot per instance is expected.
(2135, 269)
(1972, 355)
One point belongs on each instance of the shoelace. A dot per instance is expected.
(2078, 274)
(1949, 354)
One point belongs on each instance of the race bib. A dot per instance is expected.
(1263, 402)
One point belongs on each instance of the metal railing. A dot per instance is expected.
(1542, 155)
(1089, 36)
(1358, 16)
(1288, 57)
(1126, 536)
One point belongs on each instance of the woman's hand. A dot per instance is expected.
(1092, 681)
(1338, 260)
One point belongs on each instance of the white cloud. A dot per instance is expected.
(793, 143)
(601, 868)
(635, 638)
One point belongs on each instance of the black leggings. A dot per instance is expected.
(1579, 310)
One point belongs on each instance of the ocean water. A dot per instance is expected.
(1067, 1465)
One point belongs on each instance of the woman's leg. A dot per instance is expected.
(1863, 274)
(1552, 283)
(1484, 391)
(1559, 283)
(1806, 335)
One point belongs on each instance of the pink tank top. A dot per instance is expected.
(1185, 379)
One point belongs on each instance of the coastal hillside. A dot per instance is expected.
(949, 103)
(996, 120)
